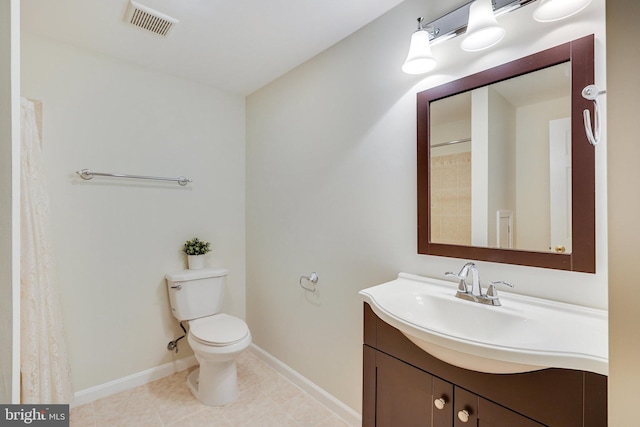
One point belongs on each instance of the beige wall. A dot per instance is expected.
(623, 95)
(9, 200)
(331, 188)
(115, 239)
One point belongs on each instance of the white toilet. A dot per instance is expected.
(216, 338)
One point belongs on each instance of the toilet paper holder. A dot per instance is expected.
(312, 278)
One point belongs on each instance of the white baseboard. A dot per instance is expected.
(140, 378)
(352, 417)
(132, 381)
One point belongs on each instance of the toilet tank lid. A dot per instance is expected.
(203, 273)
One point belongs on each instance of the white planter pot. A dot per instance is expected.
(195, 262)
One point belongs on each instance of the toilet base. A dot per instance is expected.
(218, 386)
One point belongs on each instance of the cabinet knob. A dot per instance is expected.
(463, 416)
(439, 403)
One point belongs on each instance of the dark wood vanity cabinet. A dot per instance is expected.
(410, 402)
(403, 386)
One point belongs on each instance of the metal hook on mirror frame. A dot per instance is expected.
(313, 278)
(591, 93)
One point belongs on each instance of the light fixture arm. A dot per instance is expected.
(432, 31)
(455, 22)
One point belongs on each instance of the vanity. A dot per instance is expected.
(432, 358)
(405, 386)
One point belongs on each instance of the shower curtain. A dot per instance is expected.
(44, 363)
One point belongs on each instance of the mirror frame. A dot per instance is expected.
(583, 257)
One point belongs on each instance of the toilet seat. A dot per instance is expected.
(218, 330)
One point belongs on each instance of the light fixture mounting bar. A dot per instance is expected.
(455, 22)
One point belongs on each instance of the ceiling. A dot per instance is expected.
(234, 45)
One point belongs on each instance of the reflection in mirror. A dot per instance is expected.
(500, 171)
(505, 170)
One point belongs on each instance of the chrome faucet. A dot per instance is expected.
(475, 294)
(462, 277)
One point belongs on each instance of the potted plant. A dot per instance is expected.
(194, 248)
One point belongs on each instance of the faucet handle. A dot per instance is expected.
(492, 293)
(462, 286)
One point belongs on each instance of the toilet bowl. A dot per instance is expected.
(216, 342)
(215, 337)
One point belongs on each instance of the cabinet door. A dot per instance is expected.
(403, 394)
(443, 409)
(472, 410)
(465, 408)
(492, 415)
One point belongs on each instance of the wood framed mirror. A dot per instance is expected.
(502, 195)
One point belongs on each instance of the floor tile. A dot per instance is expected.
(267, 399)
(82, 416)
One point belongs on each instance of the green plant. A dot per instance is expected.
(196, 246)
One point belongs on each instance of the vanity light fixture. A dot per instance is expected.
(483, 30)
(420, 60)
(478, 20)
(555, 10)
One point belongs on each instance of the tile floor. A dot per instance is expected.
(266, 399)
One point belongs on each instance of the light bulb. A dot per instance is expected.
(555, 10)
(420, 60)
(483, 30)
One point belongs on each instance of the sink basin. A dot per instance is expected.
(524, 334)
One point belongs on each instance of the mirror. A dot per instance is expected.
(505, 171)
(493, 185)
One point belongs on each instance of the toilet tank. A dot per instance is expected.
(196, 293)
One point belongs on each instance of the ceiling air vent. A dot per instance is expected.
(149, 19)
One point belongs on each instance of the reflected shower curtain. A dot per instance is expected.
(44, 363)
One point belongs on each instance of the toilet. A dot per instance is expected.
(216, 338)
